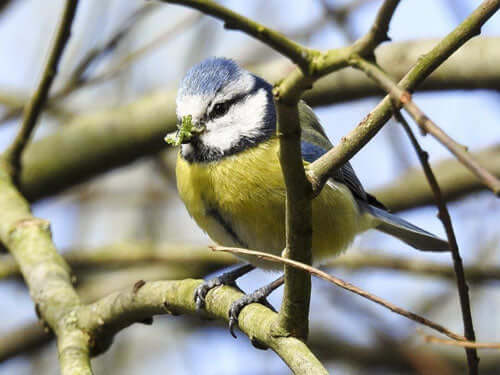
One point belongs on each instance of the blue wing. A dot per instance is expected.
(310, 151)
(315, 143)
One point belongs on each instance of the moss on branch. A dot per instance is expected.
(109, 315)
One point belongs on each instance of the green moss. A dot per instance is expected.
(184, 132)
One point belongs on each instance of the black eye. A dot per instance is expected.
(220, 109)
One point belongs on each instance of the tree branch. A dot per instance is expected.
(29, 239)
(444, 216)
(77, 78)
(403, 98)
(118, 310)
(471, 67)
(47, 275)
(37, 101)
(96, 286)
(234, 21)
(133, 254)
(294, 309)
(463, 344)
(365, 261)
(344, 285)
(97, 142)
(373, 122)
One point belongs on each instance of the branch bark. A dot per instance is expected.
(37, 101)
(402, 98)
(47, 275)
(344, 285)
(444, 216)
(373, 122)
(107, 316)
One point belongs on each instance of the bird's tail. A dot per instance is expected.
(406, 232)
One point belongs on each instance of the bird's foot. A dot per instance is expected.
(258, 296)
(227, 278)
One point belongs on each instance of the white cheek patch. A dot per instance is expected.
(244, 119)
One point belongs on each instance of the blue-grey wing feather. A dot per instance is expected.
(314, 144)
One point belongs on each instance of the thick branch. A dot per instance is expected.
(296, 295)
(97, 142)
(133, 254)
(118, 310)
(91, 288)
(47, 275)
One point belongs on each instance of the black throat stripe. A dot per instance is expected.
(215, 214)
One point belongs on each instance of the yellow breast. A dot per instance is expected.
(240, 201)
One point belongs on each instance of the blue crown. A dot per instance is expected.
(209, 76)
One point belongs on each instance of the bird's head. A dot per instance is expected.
(229, 108)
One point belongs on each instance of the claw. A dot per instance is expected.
(258, 296)
(199, 295)
(227, 278)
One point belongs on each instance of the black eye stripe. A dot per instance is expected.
(220, 109)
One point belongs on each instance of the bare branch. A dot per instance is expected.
(463, 344)
(444, 216)
(403, 98)
(77, 78)
(373, 122)
(344, 285)
(118, 310)
(234, 21)
(37, 101)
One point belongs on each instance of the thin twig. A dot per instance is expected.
(319, 171)
(463, 344)
(363, 261)
(141, 51)
(37, 101)
(403, 98)
(77, 77)
(234, 21)
(444, 216)
(345, 285)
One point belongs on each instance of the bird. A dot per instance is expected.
(230, 180)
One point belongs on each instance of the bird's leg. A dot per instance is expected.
(258, 296)
(227, 278)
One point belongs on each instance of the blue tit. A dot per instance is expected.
(230, 180)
